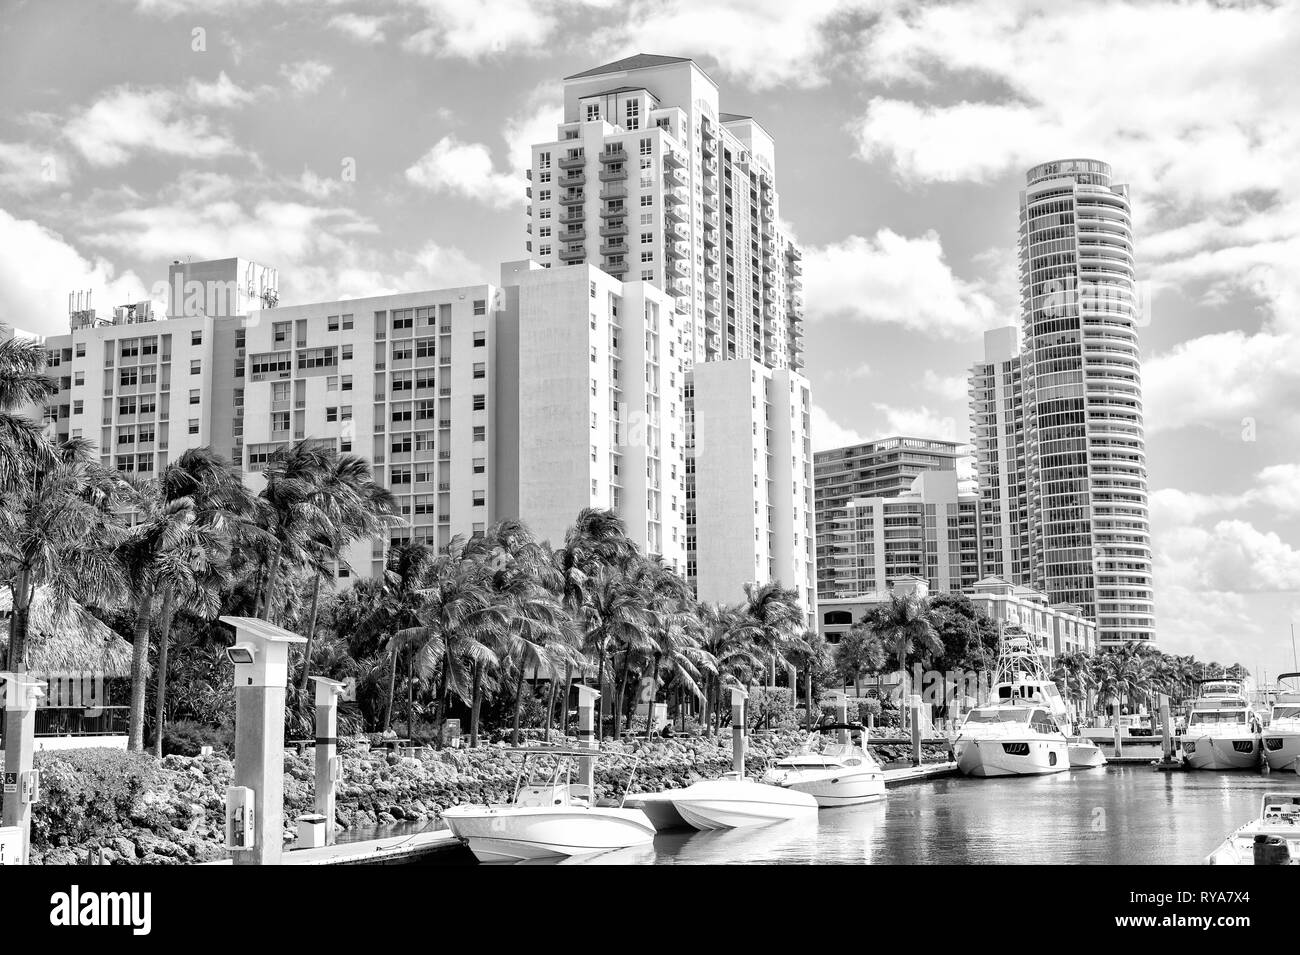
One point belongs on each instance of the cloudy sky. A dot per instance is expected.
(370, 147)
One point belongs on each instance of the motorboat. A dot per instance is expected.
(838, 774)
(1137, 733)
(736, 802)
(1222, 729)
(551, 816)
(1281, 738)
(1022, 678)
(1272, 839)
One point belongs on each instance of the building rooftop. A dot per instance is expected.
(639, 61)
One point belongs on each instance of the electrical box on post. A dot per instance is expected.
(239, 818)
(336, 768)
(29, 789)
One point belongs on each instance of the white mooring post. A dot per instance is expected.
(842, 717)
(587, 697)
(738, 697)
(329, 767)
(1166, 737)
(22, 785)
(255, 803)
(1119, 732)
(915, 708)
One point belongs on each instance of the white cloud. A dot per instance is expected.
(127, 120)
(891, 279)
(364, 29)
(474, 29)
(1276, 488)
(34, 284)
(26, 168)
(827, 433)
(537, 124)
(306, 76)
(222, 92)
(952, 387)
(465, 169)
(1232, 556)
(917, 423)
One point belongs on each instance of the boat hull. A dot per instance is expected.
(660, 810)
(731, 804)
(1085, 754)
(1221, 752)
(1282, 750)
(1010, 757)
(519, 834)
(832, 787)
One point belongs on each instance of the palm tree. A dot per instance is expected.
(352, 506)
(810, 652)
(859, 651)
(673, 633)
(23, 384)
(612, 614)
(778, 620)
(291, 512)
(904, 622)
(57, 530)
(209, 499)
(729, 636)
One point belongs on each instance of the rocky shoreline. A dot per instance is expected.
(180, 817)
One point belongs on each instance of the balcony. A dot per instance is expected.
(613, 212)
(610, 174)
(571, 162)
(676, 250)
(573, 235)
(572, 255)
(613, 192)
(613, 155)
(572, 216)
(614, 248)
(572, 199)
(673, 196)
(674, 159)
(674, 212)
(606, 231)
(615, 268)
(572, 180)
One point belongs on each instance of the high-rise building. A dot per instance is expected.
(1089, 538)
(651, 181)
(882, 468)
(998, 433)
(931, 532)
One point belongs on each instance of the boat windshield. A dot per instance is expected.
(999, 714)
(1286, 711)
(1217, 716)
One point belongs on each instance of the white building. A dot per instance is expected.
(998, 431)
(1089, 537)
(930, 533)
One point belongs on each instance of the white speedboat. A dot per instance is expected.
(549, 818)
(1272, 839)
(1085, 754)
(840, 774)
(1222, 729)
(736, 802)
(1281, 738)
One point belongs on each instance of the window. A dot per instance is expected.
(480, 432)
(402, 381)
(345, 413)
(593, 111)
(332, 383)
(332, 323)
(543, 195)
(149, 346)
(480, 339)
(480, 402)
(196, 366)
(194, 426)
(317, 358)
(402, 351)
(480, 465)
(424, 348)
(647, 238)
(331, 414)
(400, 475)
(647, 218)
(79, 378)
(126, 406)
(543, 213)
(544, 160)
(401, 444)
(77, 406)
(280, 332)
(480, 370)
(632, 114)
(194, 396)
(279, 421)
(647, 200)
(648, 255)
(196, 337)
(130, 347)
(595, 420)
(544, 232)
(403, 318)
(347, 323)
(129, 377)
(544, 250)
(81, 349)
(480, 306)
(647, 146)
(479, 499)
(347, 352)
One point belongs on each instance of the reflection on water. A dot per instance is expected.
(1123, 815)
(1116, 816)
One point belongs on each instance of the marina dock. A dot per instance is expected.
(394, 850)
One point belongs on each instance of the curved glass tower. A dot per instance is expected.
(1089, 539)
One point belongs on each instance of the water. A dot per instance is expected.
(1119, 815)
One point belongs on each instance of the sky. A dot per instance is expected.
(372, 147)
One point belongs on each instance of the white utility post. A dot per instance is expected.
(255, 803)
(738, 697)
(22, 785)
(842, 717)
(587, 697)
(329, 766)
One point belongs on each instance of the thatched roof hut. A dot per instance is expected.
(66, 638)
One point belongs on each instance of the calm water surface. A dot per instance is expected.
(1122, 815)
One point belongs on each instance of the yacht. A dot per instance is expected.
(1281, 738)
(1019, 731)
(1272, 839)
(550, 817)
(1222, 729)
(737, 802)
(839, 774)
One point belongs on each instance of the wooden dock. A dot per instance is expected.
(394, 850)
(918, 774)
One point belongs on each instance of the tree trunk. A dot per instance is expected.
(271, 574)
(311, 636)
(160, 691)
(600, 701)
(23, 593)
(392, 690)
(410, 697)
(808, 700)
(139, 662)
(619, 697)
(519, 703)
(550, 705)
(568, 692)
(654, 691)
(476, 702)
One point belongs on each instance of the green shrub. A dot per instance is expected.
(187, 738)
(87, 792)
(770, 708)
